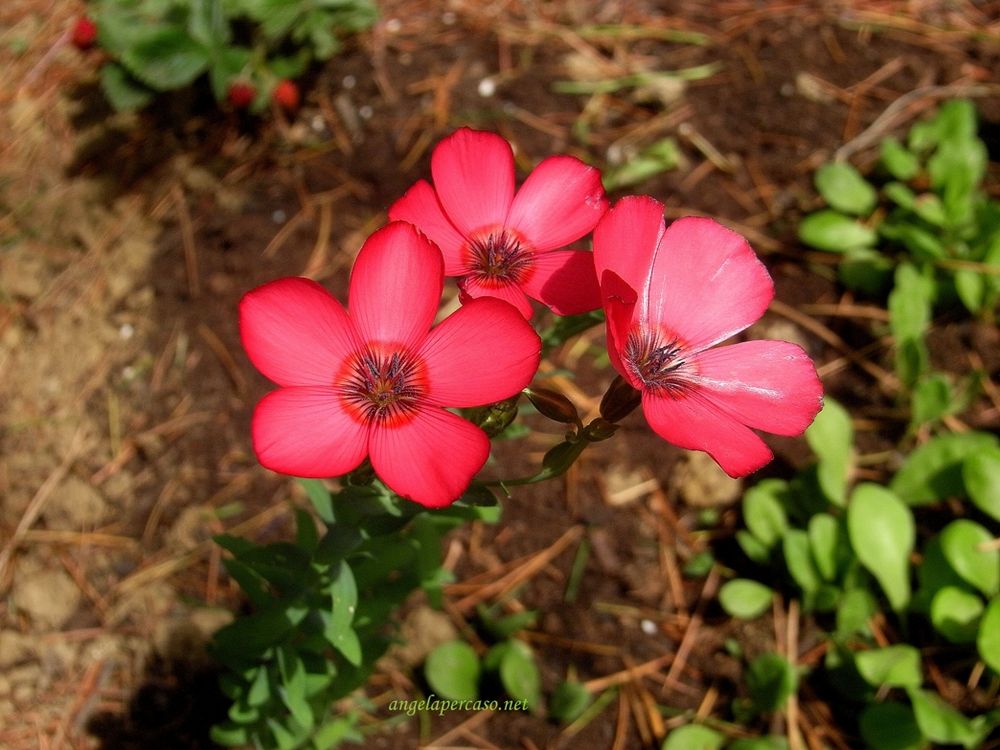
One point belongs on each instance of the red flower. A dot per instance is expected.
(672, 293)
(375, 380)
(506, 245)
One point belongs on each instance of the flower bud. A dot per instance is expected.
(553, 405)
(620, 400)
(497, 417)
(598, 430)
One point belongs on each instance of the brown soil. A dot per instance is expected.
(127, 392)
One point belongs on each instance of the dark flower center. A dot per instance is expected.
(500, 257)
(383, 386)
(657, 363)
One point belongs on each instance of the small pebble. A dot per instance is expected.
(126, 331)
(349, 82)
(487, 87)
(365, 112)
(279, 216)
(648, 627)
(448, 18)
(393, 25)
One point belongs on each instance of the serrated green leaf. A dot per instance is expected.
(834, 232)
(745, 599)
(770, 680)
(965, 547)
(452, 669)
(955, 614)
(894, 666)
(891, 726)
(519, 674)
(843, 187)
(122, 91)
(898, 160)
(694, 737)
(882, 533)
(933, 471)
(168, 59)
(831, 437)
(981, 475)
(569, 700)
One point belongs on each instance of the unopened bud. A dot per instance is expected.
(497, 417)
(620, 400)
(598, 430)
(553, 405)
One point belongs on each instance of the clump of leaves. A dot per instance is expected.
(257, 46)
(851, 552)
(925, 210)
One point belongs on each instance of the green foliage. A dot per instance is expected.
(452, 669)
(770, 680)
(881, 529)
(163, 45)
(745, 599)
(321, 606)
(693, 737)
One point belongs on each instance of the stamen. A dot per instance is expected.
(499, 257)
(382, 386)
(659, 367)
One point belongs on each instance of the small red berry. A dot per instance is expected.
(241, 94)
(84, 33)
(286, 95)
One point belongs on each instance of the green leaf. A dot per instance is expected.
(929, 208)
(207, 23)
(339, 541)
(519, 674)
(452, 669)
(981, 475)
(843, 187)
(228, 64)
(856, 608)
(955, 614)
(923, 245)
(970, 286)
(939, 722)
(260, 687)
(934, 470)
(660, 157)
(891, 726)
(248, 637)
(759, 743)
(910, 303)
(337, 630)
(931, 399)
(832, 231)
(122, 91)
(752, 546)
(963, 543)
(319, 496)
(763, 512)
(694, 737)
(988, 640)
(882, 532)
(900, 194)
(865, 270)
(230, 734)
(770, 680)
(831, 437)
(338, 730)
(824, 539)
(898, 160)
(569, 700)
(745, 599)
(798, 558)
(293, 688)
(168, 59)
(895, 666)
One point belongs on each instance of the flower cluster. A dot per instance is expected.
(376, 380)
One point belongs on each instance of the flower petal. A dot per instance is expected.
(396, 286)
(432, 458)
(471, 288)
(559, 203)
(305, 432)
(694, 422)
(484, 352)
(705, 283)
(625, 240)
(474, 178)
(564, 281)
(766, 385)
(295, 332)
(420, 206)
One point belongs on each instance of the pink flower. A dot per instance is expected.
(374, 380)
(506, 245)
(672, 293)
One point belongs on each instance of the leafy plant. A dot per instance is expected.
(252, 47)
